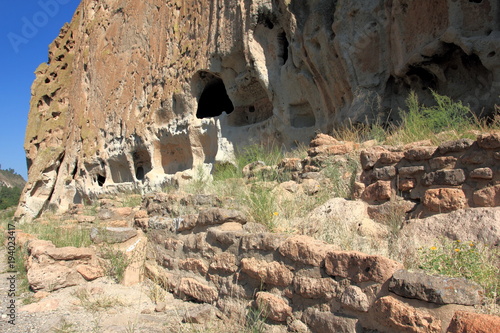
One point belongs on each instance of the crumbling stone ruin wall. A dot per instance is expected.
(136, 93)
(455, 175)
(219, 258)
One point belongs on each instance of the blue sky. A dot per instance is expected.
(27, 27)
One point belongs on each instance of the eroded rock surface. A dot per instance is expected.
(142, 94)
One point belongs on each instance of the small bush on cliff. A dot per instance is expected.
(422, 122)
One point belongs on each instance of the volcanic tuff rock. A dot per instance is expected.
(137, 91)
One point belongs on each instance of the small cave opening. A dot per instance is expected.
(423, 77)
(75, 171)
(101, 180)
(214, 99)
(266, 18)
(139, 173)
(142, 163)
(283, 45)
(77, 199)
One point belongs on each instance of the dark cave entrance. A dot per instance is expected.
(101, 180)
(214, 99)
(139, 174)
(283, 46)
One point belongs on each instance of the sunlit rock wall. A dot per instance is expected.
(136, 93)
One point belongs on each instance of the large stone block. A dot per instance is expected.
(487, 197)
(455, 146)
(384, 173)
(272, 273)
(264, 241)
(444, 177)
(443, 162)
(327, 322)
(391, 157)
(420, 153)
(468, 322)
(69, 253)
(275, 307)
(315, 288)
(112, 235)
(224, 263)
(370, 156)
(482, 173)
(213, 216)
(197, 290)
(193, 265)
(442, 200)
(52, 277)
(435, 289)
(304, 249)
(359, 267)
(353, 297)
(489, 141)
(378, 191)
(400, 317)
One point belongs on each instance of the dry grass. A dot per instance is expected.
(95, 303)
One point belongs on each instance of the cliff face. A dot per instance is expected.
(138, 92)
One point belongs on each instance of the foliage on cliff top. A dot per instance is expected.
(444, 121)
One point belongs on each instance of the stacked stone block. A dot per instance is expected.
(455, 175)
(221, 259)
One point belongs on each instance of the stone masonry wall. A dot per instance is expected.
(217, 257)
(457, 174)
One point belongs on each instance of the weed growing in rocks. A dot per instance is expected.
(469, 260)
(116, 262)
(65, 327)
(94, 303)
(199, 183)
(262, 205)
(155, 291)
(256, 319)
(342, 175)
(21, 256)
(361, 132)
(132, 200)
(60, 235)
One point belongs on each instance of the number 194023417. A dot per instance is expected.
(11, 247)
